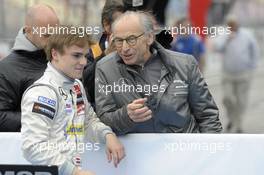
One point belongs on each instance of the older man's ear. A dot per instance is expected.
(150, 38)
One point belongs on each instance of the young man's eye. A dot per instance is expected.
(77, 55)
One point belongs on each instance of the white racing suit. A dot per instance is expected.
(56, 118)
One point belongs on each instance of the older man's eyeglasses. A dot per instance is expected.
(131, 40)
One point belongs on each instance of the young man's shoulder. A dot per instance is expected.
(45, 85)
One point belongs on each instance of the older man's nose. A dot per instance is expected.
(125, 45)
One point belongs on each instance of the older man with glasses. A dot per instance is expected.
(144, 88)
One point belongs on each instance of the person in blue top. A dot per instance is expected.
(189, 43)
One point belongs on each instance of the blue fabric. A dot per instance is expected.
(190, 45)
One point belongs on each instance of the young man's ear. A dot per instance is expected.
(54, 55)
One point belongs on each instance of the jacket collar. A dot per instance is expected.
(22, 43)
(163, 55)
(60, 78)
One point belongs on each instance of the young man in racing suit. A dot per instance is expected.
(56, 116)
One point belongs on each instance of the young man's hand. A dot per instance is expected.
(114, 149)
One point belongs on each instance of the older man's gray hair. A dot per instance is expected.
(145, 18)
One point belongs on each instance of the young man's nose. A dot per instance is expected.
(83, 60)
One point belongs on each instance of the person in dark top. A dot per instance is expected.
(24, 65)
(111, 10)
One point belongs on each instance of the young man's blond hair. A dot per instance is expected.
(60, 41)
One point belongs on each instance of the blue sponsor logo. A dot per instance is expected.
(47, 101)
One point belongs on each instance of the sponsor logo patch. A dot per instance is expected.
(76, 160)
(68, 108)
(80, 102)
(77, 129)
(43, 109)
(47, 101)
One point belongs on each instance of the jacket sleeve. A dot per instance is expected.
(10, 115)
(106, 109)
(37, 120)
(201, 102)
(95, 130)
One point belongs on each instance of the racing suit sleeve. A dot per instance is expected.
(39, 107)
(107, 110)
(95, 130)
(201, 101)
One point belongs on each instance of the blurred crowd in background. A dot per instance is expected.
(244, 14)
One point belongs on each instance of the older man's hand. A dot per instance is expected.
(138, 112)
